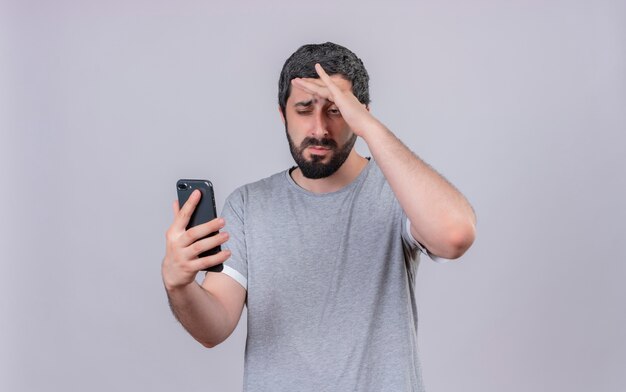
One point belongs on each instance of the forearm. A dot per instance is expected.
(202, 314)
(441, 218)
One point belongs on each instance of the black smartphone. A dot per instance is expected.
(204, 212)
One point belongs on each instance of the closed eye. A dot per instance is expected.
(334, 112)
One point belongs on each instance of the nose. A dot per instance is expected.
(320, 125)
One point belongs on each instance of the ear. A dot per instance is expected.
(282, 116)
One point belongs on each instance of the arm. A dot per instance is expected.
(209, 312)
(441, 218)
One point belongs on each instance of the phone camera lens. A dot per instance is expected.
(182, 186)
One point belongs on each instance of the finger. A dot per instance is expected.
(210, 261)
(311, 87)
(205, 244)
(316, 81)
(195, 233)
(173, 232)
(321, 72)
(327, 80)
(183, 216)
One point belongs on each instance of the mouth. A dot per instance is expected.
(318, 149)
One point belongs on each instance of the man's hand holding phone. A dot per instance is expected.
(181, 262)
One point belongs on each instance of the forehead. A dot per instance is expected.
(298, 94)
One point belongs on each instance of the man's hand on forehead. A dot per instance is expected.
(354, 112)
(323, 88)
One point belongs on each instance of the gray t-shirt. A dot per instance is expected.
(330, 285)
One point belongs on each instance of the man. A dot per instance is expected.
(324, 255)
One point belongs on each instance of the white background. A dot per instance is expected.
(104, 105)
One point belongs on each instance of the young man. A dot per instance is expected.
(324, 255)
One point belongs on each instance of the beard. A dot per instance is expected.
(314, 168)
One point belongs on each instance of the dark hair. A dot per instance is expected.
(335, 59)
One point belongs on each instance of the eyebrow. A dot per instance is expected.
(304, 103)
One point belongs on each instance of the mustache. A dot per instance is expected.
(311, 141)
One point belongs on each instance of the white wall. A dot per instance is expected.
(103, 105)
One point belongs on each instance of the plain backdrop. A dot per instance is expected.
(105, 104)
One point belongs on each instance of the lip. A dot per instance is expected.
(318, 149)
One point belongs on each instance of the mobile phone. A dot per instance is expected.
(204, 212)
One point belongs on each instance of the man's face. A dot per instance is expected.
(319, 138)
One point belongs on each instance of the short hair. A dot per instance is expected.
(335, 59)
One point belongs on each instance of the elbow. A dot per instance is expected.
(209, 344)
(215, 339)
(458, 241)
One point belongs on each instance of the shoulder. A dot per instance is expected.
(374, 169)
(257, 189)
(375, 177)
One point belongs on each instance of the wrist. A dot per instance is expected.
(371, 129)
(178, 292)
(174, 285)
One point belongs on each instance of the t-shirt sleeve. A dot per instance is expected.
(233, 213)
(408, 237)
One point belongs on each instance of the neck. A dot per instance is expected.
(347, 173)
